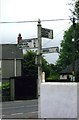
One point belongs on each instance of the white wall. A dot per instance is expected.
(65, 76)
(58, 100)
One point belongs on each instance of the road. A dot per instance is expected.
(20, 109)
(25, 109)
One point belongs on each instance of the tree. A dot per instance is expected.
(66, 51)
(77, 8)
(74, 7)
(45, 67)
(65, 56)
(29, 66)
(53, 72)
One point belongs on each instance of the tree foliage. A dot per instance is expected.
(77, 8)
(68, 47)
(74, 7)
(29, 66)
(45, 67)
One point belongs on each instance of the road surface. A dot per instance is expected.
(20, 109)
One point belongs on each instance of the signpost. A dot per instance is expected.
(47, 33)
(37, 43)
(50, 50)
(30, 43)
(39, 66)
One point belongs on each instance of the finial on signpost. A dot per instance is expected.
(39, 21)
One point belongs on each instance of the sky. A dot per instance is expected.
(32, 10)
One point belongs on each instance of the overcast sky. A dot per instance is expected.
(29, 10)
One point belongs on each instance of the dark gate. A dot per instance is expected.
(25, 87)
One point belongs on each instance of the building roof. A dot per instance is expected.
(10, 51)
(69, 69)
(77, 65)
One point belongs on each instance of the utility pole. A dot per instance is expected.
(39, 66)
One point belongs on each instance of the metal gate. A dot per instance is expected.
(25, 87)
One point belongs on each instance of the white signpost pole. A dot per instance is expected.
(39, 66)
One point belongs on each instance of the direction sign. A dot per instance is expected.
(47, 33)
(30, 43)
(50, 50)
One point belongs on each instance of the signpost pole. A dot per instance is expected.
(39, 66)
